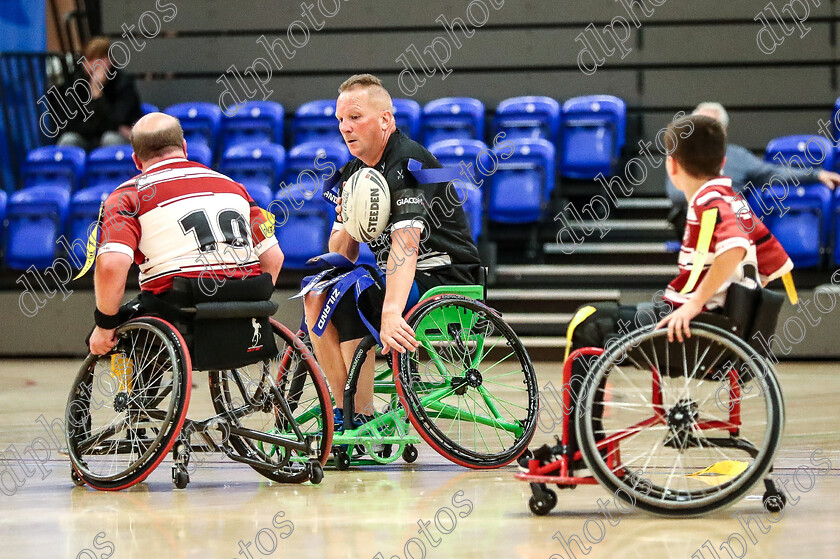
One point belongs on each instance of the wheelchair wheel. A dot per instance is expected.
(295, 407)
(470, 388)
(126, 408)
(685, 428)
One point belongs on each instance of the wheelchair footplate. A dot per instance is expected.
(380, 441)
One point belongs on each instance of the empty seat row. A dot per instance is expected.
(593, 127)
(805, 218)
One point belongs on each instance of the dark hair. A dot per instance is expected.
(698, 143)
(148, 145)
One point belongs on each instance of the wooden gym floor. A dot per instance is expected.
(228, 510)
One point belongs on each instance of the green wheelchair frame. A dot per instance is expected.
(446, 317)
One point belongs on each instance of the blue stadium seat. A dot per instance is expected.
(255, 121)
(302, 158)
(407, 114)
(836, 121)
(520, 186)
(201, 122)
(804, 229)
(592, 135)
(54, 166)
(451, 153)
(528, 117)
(36, 217)
(84, 211)
(315, 122)
(810, 151)
(453, 118)
(811, 207)
(109, 166)
(303, 224)
(3, 199)
(259, 167)
(200, 153)
(147, 108)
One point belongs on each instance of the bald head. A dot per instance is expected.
(156, 136)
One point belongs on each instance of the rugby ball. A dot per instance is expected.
(365, 205)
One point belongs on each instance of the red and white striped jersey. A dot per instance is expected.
(764, 252)
(180, 218)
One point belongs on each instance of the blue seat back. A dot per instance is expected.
(36, 218)
(800, 151)
(835, 228)
(259, 167)
(804, 229)
(520, 186)
(836, 121)
(593, 132)
(475, 156)
(407, 114)
(453, 118)
(255, 121)
(147, 108)
(200, 153)
(109, 166)
(201, 122)
(84, 211)
(528, 117)
(54, 166)
(314, 159)
(315, 122)
(301, 237)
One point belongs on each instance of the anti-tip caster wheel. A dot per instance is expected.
(342, 461)
(543, 505)
(180, 479)
(316, 472)
(74, 476)
(409, 453)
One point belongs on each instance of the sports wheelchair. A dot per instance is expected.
(675, 428)
(127, 409)
(469, 389)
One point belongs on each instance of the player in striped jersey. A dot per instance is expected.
(723, 241)
(177, 218)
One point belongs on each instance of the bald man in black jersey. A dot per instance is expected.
(416, 252)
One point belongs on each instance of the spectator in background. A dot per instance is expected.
(114, 102)
(743, 167)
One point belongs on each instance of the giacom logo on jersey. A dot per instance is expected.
(255, 338)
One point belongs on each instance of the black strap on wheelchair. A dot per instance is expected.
(353, 377)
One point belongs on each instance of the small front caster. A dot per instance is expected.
(342, 460)
(316, 472)
(542, 501)
(410, 453)
(74, 475)
(179, 478)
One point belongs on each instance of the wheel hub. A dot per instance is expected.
(681, 419)
(472, 378)
(121, 401)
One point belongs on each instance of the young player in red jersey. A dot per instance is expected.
(723, 244)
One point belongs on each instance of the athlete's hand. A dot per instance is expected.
(338, 206)
(395, 333)
(101, 341)
(678, 321)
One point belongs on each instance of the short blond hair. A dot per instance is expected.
(156, 143)
(368, 81)
(97, 47)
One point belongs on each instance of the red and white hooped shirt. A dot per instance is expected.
(180, 218)
(764, 251)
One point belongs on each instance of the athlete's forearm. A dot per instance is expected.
(342, 243)
(109, 281)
